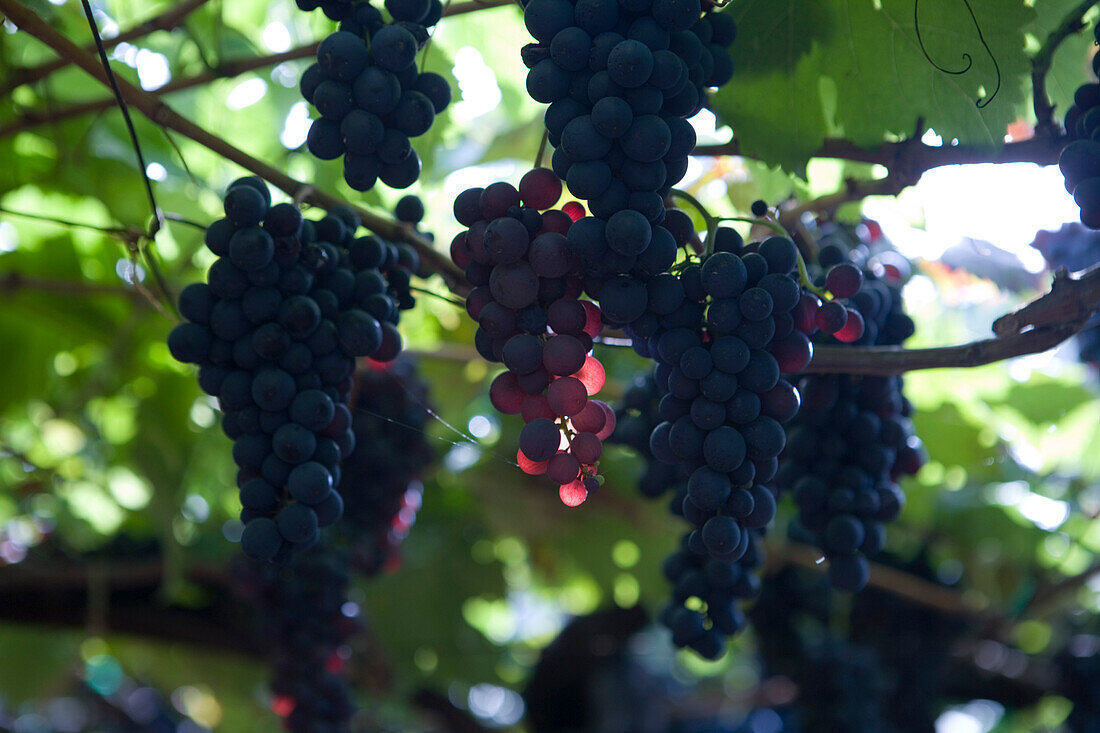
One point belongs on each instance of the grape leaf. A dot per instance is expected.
(885, 82)
(773, 102)
(799, 63)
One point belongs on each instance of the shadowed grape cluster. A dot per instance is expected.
(288, 306)
(299, 607)
(853, 437)
(380, 484)
(369, 93)
(621, 79)
(1080, 160)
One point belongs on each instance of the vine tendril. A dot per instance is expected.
(980, 103)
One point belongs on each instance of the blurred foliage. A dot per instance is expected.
(103, 436)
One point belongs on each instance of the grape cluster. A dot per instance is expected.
(300, 611)
(635, 419)
(853, 437)
(725, 335)
(1080, 680)
(288, 306)
(369, 93)
(380, 485)
(1075, 248)
(1080, 160)
(621, 79)
(721, 583)
(333, 9)
(526, 284)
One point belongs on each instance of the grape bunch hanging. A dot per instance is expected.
(288, 306)
(525, 298)
(369, 93)
(300, 615)
(853, 437)
(1080, 160)
(621, 79)
(380, 486)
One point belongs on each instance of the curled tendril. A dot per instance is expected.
(980, 103)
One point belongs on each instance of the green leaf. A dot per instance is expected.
(773, 103)
(1047, 402)
(885, 82)
(789, 57)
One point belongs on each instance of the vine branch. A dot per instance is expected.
(913, 158)
(161, 114)
(1045, 125)
(228, 69)
(1040, 325)
(167, 20)
(11, 282)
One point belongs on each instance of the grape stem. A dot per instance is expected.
(453, 301)
(711, 222)
(806, 282)
(542, 148)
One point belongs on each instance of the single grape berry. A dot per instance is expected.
(844, 280)
(759, 208)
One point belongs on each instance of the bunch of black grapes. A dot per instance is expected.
(635, 419)
(300, 610)
(369, 93)
(853, 437)
(380, 485)
(729, 332)
(1080, 160)
(288, 306)
(842, 686)
(1075, 248)
(915, 645)
(621, 79)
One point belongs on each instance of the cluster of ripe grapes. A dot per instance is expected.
(621, 79)
(716, 581)
(727, 332)
(288, 306)
(853, 437)
(525, 298)
(380, 487)
(1075, 248)
(369, 93)
(300, 609)
(1080, 160)
(635, 417)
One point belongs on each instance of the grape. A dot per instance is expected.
(189, 342)
(611, 117)
(245, 206)
(831, 317)
(562, 468)
(261, 539)
(844, 280)
(409, 209)
(523, 354)
(566, 396)
(273, 389)
(309, 483)
(539, 439)
(586, 447)
(342, 56)
(436, 89)
(630, 63)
